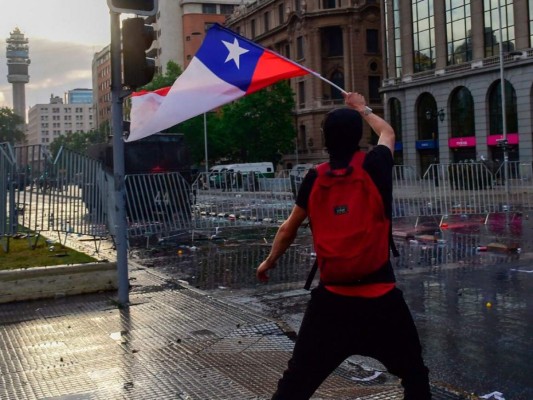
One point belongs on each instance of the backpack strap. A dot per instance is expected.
(392, 245)
(311, 275)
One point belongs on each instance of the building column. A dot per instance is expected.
(478, 34)
(521, 23)
(406, 33)
(314, 51)
(347, 36)
(441, 48)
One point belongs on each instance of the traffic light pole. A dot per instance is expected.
(118, 162)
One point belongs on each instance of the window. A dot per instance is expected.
(281, 13)
(328, 4)
(426, 127)
(252, 27)
(332, 42)
(372, 41)
(301, 94)
(492, 11)
(396, 118)
(530, 23)
(495, 109)
(462, 113)
(302, 138)
(209, 8)
(374, 82)
(423, 35)
(299, 47)
(397, 37)
(226, 9)
(458, 31)
(266, 21)
(338, 79)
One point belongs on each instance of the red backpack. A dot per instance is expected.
(350, 229)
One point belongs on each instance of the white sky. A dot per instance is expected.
(63, 37)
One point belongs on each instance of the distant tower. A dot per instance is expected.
(17, 54)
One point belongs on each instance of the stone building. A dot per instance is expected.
(445, 63)
(338, 39)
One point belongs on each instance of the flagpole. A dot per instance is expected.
(205, 144)
(326, 80)
(311, 72)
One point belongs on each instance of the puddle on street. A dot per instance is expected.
(228, 258)
(469, 287)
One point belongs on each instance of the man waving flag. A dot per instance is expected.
(225, 68)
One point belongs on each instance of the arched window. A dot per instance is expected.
(395, 108)
(462, 113)
(426, 114)
(495, 109)
(337, 77)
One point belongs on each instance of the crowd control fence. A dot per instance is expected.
(72, 194)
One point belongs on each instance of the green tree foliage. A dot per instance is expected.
(259, 127)
(77, 141)
(11, 126)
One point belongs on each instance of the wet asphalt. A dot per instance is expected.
(469, 287)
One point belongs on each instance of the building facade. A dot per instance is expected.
(101, 74)
(180, 28)
(442, 88)
(79, 96)
(49, 121)
(339, 39)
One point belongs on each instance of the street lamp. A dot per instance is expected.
(439, 115)
(504, 142)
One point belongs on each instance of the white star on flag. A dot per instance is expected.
(235, 51)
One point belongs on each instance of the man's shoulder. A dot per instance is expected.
(379, 155)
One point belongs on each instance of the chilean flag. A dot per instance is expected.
(225, 68)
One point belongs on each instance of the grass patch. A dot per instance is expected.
(22, 255)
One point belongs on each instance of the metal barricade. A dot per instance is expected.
(222, 200)
(60, 195)
(157, 204)
(73, 194)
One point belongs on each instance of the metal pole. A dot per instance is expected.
(205, 145)
(118, 162)
(504, 119)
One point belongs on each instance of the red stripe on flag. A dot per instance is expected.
(160, 92)
(272, 68)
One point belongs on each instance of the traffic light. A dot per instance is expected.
(137, 37)
(139, 7)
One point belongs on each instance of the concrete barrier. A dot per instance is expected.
(55, 281)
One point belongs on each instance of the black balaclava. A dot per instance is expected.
(343, 128)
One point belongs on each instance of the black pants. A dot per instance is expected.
(335, 327)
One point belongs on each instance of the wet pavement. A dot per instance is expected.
(200, 326)
(469, 286)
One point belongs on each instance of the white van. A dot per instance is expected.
(239, 175)
(264, 169)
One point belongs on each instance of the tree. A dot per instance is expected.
(10, 126)
(269, 128)
(77, 141)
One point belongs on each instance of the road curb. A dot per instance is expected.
(57, 281)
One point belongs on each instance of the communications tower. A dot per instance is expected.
(17, 54)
